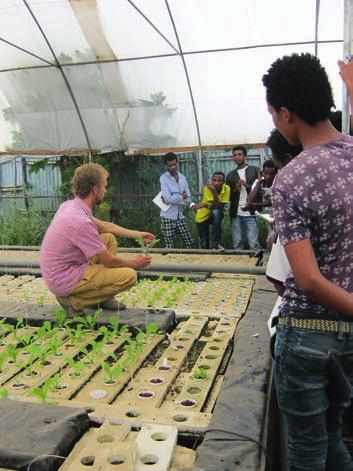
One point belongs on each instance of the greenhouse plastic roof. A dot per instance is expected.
(150, 74)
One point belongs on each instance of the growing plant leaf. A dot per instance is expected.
(4, 393)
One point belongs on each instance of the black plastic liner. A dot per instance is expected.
(29, 432)
(234, 438)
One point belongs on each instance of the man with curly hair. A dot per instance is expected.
(78, 256)
(313, 209)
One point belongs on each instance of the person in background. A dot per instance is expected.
(210, 211)
(313, 211)
(240, 181)
(259, 197)
(78, 255)
(277, 267)
(176, 194)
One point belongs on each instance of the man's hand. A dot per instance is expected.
(184, 195)
(240, 183)
(248, 207)
(346, 72)
(146, 236)
(210, 187)
(140, 261)
(197, 206)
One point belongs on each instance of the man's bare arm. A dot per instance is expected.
(312, 283)
(104, 226)
(114, 261)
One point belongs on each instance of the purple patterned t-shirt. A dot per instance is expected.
(312, 199)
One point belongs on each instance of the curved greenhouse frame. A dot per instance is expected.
(145, 76)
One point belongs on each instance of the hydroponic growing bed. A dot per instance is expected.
(139, 377)
(125, 379)
(213, 297)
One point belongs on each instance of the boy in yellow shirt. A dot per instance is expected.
(210, 211)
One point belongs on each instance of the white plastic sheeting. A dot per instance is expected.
(123, 62)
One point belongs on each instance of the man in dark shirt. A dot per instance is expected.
(240, 181)
(313, 209)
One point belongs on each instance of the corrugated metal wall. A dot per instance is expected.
(43, 185)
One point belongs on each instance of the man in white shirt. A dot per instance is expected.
(240, 181)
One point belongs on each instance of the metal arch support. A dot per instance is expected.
(347, 50)
(317, 14)
(154, 26)
(26, 52)
(58, 65)
(199, 157)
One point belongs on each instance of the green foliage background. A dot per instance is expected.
(133, 182)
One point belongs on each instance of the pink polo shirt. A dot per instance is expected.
(70, 240)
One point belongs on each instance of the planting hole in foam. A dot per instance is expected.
(132, 413)
(145, 394)
(180, 418)
(211, 357)
(164, 367)
(214, 347)
(114, 422)
(159, 436)
(105, 438)
(194, 390)
(188, 403)
(156, 380)
(171, 359)
(116, 459)
(98, 393)
(87, 460)
(178, 346)
(149, 460)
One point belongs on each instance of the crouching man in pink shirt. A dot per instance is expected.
(78, 256)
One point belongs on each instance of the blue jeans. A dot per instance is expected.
(203, 229)
(249, 223)
(314, 378)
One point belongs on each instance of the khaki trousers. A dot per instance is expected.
(100, 283)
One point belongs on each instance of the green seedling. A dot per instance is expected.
(26, 296)
(133, 348)
(89, 322)
(106, 334)
(76, 366)
(200, 373)
(141, 337)
(12, 352)
(146, 246)
(4, 393)
(112, 372)
(3, 359)
(57, 382)
(41, 392)
(4, 327)
(26, 339)
(41, 299)
(114, 325)
(94, 351)
(60, 317)
(152, 329)
(31, 363)
(45, 330)
(43, 352)
(15, 328)
(54, 344)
